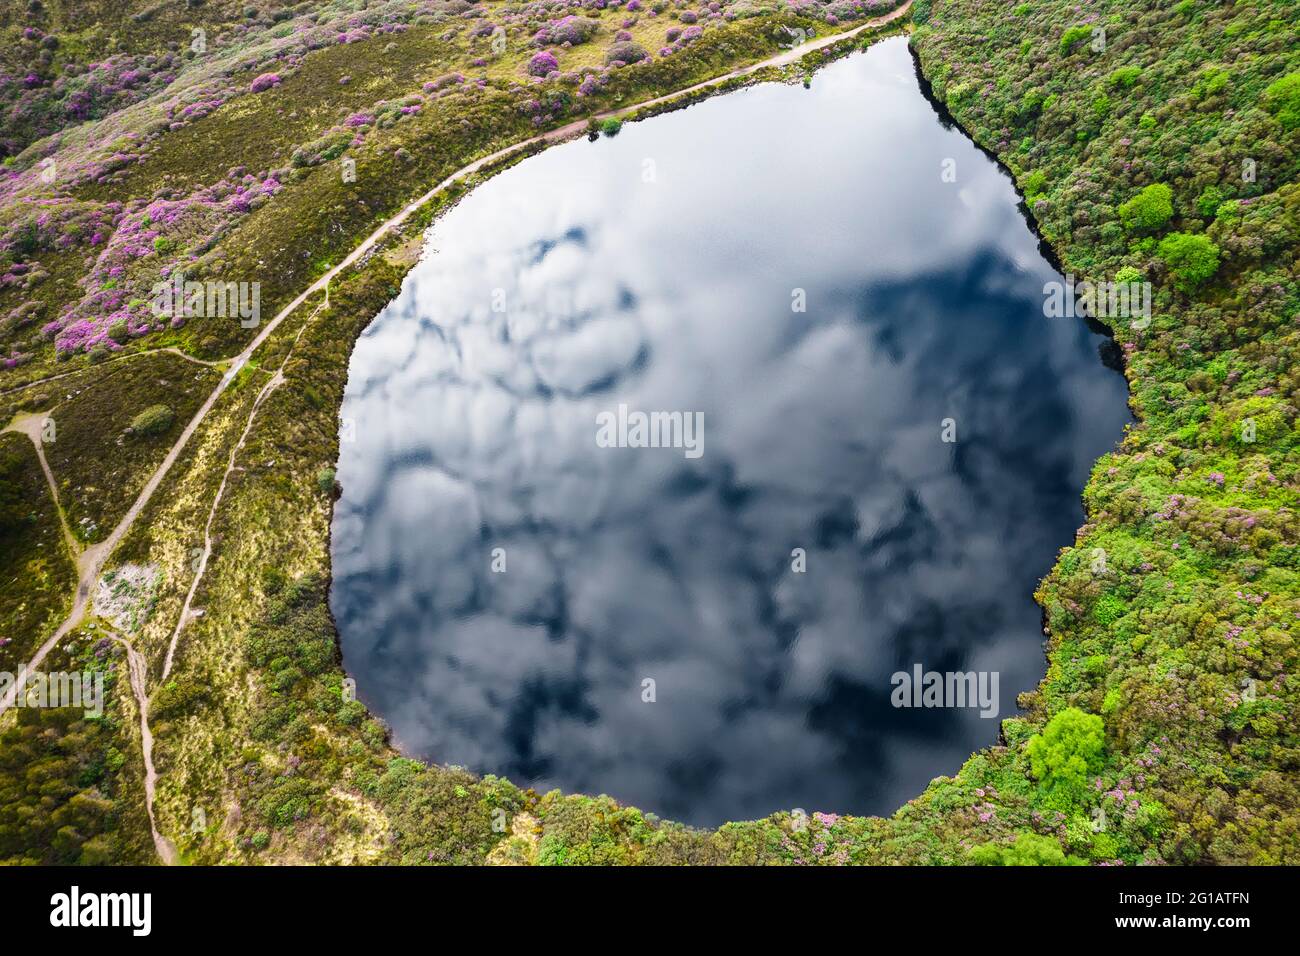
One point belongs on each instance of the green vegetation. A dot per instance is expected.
(1065, 757)
(98, 455)
(154, 420)
(1282, 99)
(1166, 729)
(1191, 259)
(1149, 210)
(36, 574)
(1028, 849)
(70, 786)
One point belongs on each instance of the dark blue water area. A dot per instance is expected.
(506, 584)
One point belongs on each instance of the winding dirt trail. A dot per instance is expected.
(90, 561)
(139, 671)
(186, 614)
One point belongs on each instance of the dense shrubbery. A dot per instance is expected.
(1191, 259)
(1065, 757)
(1149, 210)
(1173, 616)
(1028, 849)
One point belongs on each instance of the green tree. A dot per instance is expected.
(1028, 849)
(1072, 37)
(1191, 258)
(1065, 755)
(1148, 210)
(1282, 99)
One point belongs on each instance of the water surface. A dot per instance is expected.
(662, 270)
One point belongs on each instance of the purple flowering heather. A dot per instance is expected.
(265, 82)
(625, 53)
(542, 64)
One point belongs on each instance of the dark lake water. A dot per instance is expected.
(662, 270)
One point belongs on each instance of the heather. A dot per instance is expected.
(152, 170)
(36, 574)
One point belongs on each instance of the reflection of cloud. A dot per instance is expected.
(476, 430)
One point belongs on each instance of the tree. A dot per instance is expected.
(1028, 849)
(1065, 755)
(1282, 99)
(1149, 210)
(1191, 258)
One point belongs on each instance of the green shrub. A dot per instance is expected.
(1148, 210)
(1191, 258)
(625, 52)
(1124, 77)
(1127, 275)
(1071, 37)
(1208, 202)
(1065, 756)
(1282, 99)
(1028, 849)
(154, 420)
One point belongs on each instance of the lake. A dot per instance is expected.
(677, 446)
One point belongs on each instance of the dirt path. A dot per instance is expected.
(139, 671)
(186, 614)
